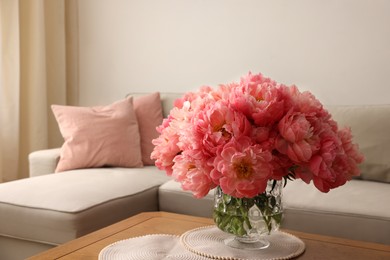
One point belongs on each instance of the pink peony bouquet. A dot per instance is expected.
(241, 135)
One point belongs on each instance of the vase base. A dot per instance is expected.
(253, 245)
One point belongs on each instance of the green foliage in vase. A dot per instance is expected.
(231, 214)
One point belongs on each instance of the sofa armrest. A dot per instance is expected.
(43, 162)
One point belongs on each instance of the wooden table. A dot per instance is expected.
(89, 246)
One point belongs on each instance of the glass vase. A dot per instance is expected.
(249, 220)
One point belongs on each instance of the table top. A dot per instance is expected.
(89, 246)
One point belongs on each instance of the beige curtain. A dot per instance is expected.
(33, 73)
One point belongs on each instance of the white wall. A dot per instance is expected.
(338, 49)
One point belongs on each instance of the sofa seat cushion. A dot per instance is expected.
(357, 210)
(59, 207)
(173, 199)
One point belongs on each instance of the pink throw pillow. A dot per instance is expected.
(98, 136)
(149, 113)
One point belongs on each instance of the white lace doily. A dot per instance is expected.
(199, 244)
(150, 247)
(209, 242)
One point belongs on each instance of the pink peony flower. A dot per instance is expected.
(242, 169)
(333, 165)
(295, 137)
(218, 125)
(165, 150)
(351, 150)
(259, 99)
(193, 175)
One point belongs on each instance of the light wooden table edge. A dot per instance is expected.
(84, 241)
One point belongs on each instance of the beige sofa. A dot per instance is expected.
(49, 209)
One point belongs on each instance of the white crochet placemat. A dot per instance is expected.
(150, 247)
(199, 244)
(209, 242)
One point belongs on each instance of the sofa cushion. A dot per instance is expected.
(370, 126)
(59, 207)
(172, 198)
(357, 210)
(148, 110)
(98, 136)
